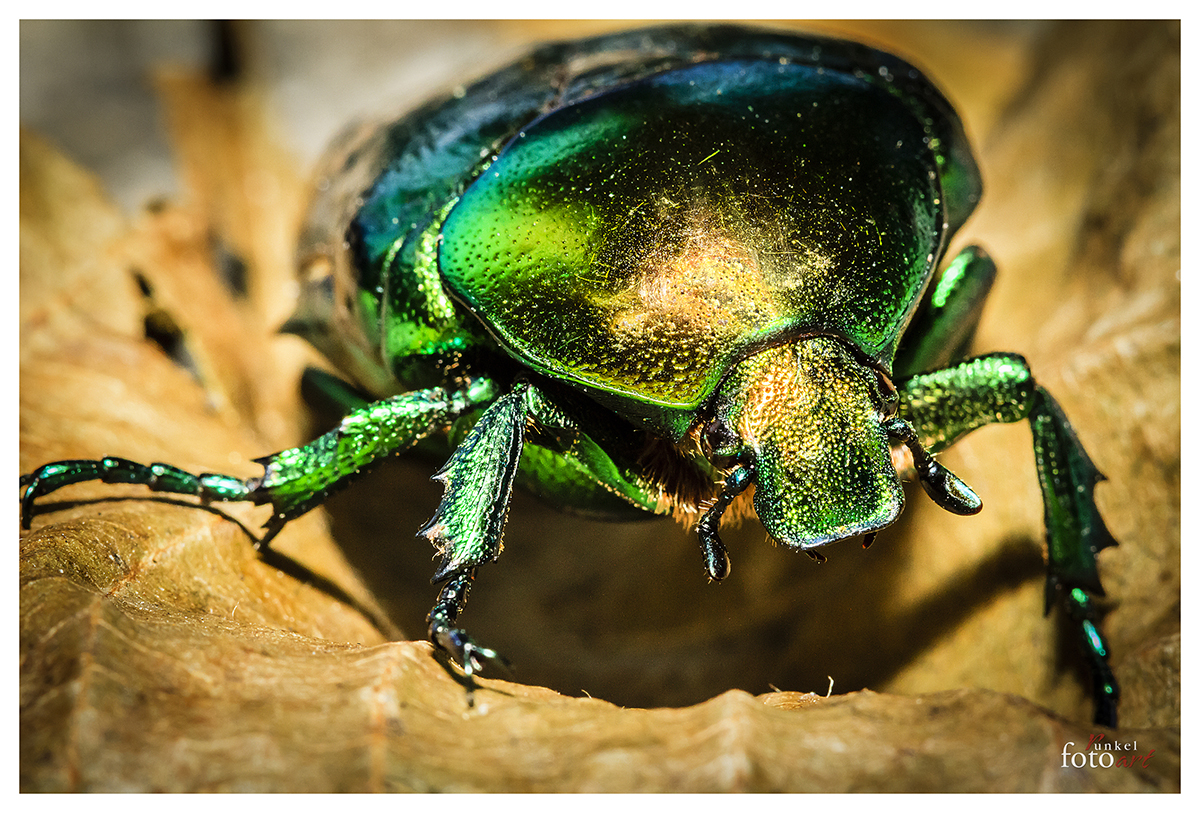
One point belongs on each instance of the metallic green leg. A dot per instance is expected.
(158, 476)
(1075, 534)
(944, 405)
(468, 525)
(300, 479)
(945, 327)
(296, 480)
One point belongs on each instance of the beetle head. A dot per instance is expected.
(808, 418)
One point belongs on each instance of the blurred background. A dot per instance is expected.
(86, 84)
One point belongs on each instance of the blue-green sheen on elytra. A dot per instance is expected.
(640, 273)
(643, 240)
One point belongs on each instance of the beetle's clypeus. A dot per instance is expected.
(643, 272)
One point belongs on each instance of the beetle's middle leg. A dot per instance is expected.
(943, 329)
(295, 480)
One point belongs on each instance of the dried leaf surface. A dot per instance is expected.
(160, 651)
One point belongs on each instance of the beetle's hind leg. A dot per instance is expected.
(944, 405)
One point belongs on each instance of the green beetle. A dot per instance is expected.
(644, 272)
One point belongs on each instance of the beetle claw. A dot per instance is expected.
(468, 654)
(461, 647)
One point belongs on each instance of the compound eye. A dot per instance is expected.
(721, 443)
(891, 397)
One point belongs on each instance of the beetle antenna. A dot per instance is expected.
(716, 559)
(941, 484)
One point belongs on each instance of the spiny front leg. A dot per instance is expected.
(468, 525)
(1075, 533)
(946, 404)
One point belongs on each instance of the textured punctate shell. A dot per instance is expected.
(640, 241)
(757, 179)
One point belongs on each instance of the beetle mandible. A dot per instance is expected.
(644, 272)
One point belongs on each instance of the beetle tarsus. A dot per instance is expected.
(1105, 690)
(460, 646)
(159, 477)
(716, 558)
